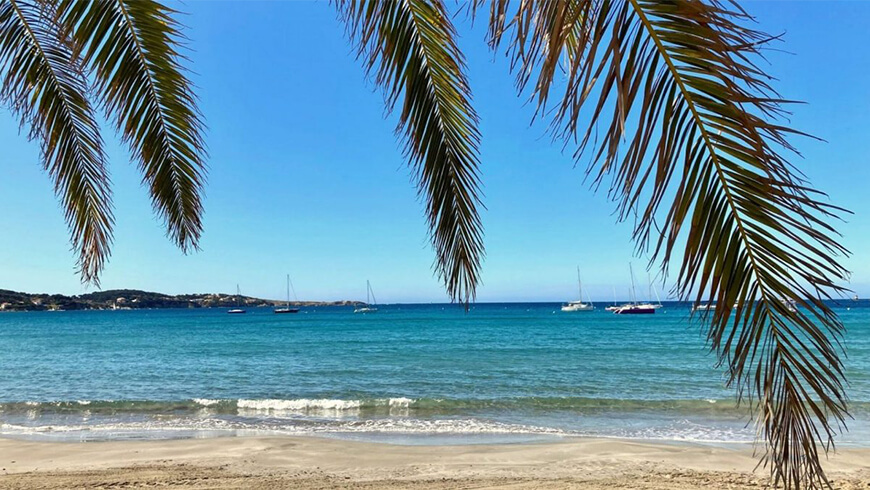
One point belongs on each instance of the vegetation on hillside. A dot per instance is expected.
(134, 299)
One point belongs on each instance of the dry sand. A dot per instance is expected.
(313, 463)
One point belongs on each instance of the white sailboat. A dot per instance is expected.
(578, 305)
(650, 304)
(371, 302)
(614, 306)
(287, 308)
(238, 309)
(711, 306)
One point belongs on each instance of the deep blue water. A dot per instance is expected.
(409, 373)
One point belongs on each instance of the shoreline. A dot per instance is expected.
(315, 462)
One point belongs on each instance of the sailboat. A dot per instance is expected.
(578, 305)
(369, 307)
(635, 308)
(287, 308)
(650, 304)
(238, 309)
(614, 306)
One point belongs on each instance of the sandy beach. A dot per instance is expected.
(314, 463)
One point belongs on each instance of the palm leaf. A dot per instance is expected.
(132, 47)
(44, 86)
(685, 125)
(410, 46)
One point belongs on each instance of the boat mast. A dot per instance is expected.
(288, 291)
(633, 292)
(653, 291)
(238, 297)
(650, 293)
(579, 286)
(374, 300)
(295, 297)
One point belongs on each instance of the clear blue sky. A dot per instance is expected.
(306, 176)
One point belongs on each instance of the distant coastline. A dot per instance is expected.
(133, 299)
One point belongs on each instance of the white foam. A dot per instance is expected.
(299, 404)
(455, 426)
(683, 431)
(401, 402)
(206, 402)
(405, 426)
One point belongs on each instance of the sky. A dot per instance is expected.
(306, 176)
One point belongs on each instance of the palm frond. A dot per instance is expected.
(43, 84)
(691, 140)
(410, 46)
(132, 47)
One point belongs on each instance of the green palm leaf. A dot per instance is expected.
(43, 84)
(410, 45)
(132, 47)
(690, 141)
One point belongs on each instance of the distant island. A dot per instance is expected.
(132, 299)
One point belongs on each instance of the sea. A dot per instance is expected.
(408, 374)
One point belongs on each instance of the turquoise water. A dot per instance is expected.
(408, 374)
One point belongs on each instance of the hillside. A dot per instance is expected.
(135, 299)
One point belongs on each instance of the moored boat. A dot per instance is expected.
(639, 309)
(614, 306)
(288, 309)
(238, 309)
(635, 308)
(371, 303)
(578, 305)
